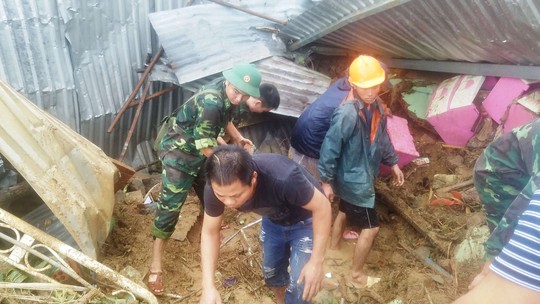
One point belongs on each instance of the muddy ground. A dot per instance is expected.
(432, 231)
(404, 277)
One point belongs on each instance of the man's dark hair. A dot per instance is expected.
(269, 96)
(227, 164)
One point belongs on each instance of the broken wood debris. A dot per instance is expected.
(464, 184)
(237, 232)
(407, 213)
(136, 90)
(428, 262)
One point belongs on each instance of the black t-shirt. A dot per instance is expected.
(283, 187)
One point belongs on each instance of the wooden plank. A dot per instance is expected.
(125, 173)
(407, 213)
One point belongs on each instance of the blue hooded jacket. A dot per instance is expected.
(310, 128)
(351, 154)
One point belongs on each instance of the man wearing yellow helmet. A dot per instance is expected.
(355, 145)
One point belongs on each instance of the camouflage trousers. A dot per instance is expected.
(502, 203)
(176, 185)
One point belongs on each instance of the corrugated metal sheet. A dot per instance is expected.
(206, 39)
(495, 31)
(298, 86)
(328, 16)
(109, 41)
(34, 56)
(78, 61)
(72, 176)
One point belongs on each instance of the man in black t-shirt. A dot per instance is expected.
(295, 225)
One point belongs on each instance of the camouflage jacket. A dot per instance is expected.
(506, 177)
(197, 125)
(240, 114)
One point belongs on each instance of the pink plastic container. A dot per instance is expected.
(502, 95)
(403, 142)
(518, 115)
(451, 110)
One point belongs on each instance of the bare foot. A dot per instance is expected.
(357, 282)
(364, 282)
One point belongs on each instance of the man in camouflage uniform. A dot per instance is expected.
(241, 114)
(506, 176)
(185, 147)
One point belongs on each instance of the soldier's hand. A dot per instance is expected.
(247, 145)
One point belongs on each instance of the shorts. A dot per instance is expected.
(362, 217)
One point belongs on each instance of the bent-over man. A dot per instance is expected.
(296, 219)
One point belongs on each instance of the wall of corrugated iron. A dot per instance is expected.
(78, 59)
(35, 58)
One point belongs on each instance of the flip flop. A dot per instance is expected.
(350, 235)
(154, 282)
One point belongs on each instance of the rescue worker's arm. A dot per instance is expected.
(328, 191)
(341, 129)
(495, 289)
(238, 139)
(207, 122)
(506, 226)
(479, 277)
(221, 141)
(206, 151)
(312, 273)
(397, 176)
(210, 242)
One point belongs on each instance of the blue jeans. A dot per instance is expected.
(283, 246)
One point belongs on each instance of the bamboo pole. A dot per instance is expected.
(135, 120)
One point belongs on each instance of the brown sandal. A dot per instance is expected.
(154, 282)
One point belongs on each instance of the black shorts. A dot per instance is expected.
(361, 217)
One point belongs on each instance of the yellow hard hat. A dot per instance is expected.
(366, 72)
